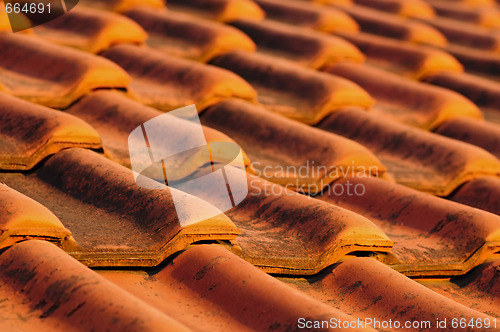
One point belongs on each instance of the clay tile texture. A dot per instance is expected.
(249, 165)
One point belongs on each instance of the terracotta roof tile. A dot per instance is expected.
(188, 36)
(278, 150)
(291, 90)
(42, 286)
(23, 218)
(80, 187)
(401, 57)
(167, 83)
(482, 134)
(408, 8)
(219, 10)
(308, 15)
(483, 92)
(123, 5)
(393, 26)
(365, 288)
(482, 193)
(115, 116)
(30, 133)
(91, 30)
(432, 236)
(204, 287)
(488, 16)
(307, 48)
(52, 75)
(478, 62)
(414, 103)
(415, 158)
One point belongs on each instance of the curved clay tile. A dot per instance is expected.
(52, 291)
(482, 193)
(408, 8)
(295, 92)
(123, 5)
(432, 236)
(115, 222)
(479, 62)
(51, 75)
(487, 16)
(308, 15)
(418, 104)
(219, 10)
(188, 36)
(29, 133)
(115, 116)
(414, 157)
(287, 152)
(483, 92)
(23, 218)
(91, 30)
(393, 26)
(307, 48)
(208, 286)
(365, 288)
(168, 83)
(480, 133)
(402, 57)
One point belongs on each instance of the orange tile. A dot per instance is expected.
(287, 152)
(408, 8)
(308, 15)
(29, 133)
(167, 83)
(432, 236)
(488, 16)
(393, 26)
(402, 57)
(91, 30)
(306, 48)
(290, 90)
(115, 222)
(418, 104)
(479, 62)
(414, 157)
(23, 218)
(482, 193)
(365, 288)
(44, 289)
(483, 134)
(207, 286)
(115, 116)
(188, 36)
(123, 5)
(483, 92)
(52, 75)
(219, 10)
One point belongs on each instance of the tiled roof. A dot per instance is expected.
(369, 138)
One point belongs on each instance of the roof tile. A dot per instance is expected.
(123, 5)
(479, 62)
(91, 195)
(402, 57)
(168, 83)
(219, 10)
(42, 286)
(414, 103)
(308, 15)
(29, 133)
(393, 26)
(278, 150)
(188, 36)
(91, 30)
(52, 75)
(482, 193)
(23, 218)
(291, 90)
(414, 157)
(408, 8)
(307, 48)
(432, 236)
(488, 16)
